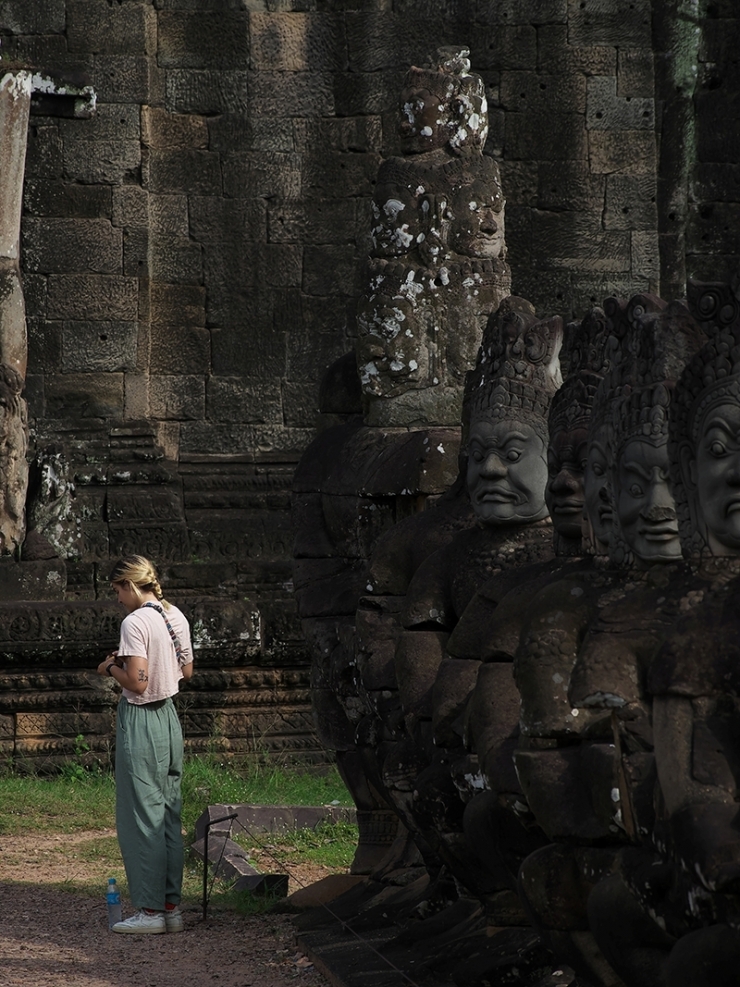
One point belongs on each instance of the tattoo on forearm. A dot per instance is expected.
(143, 677)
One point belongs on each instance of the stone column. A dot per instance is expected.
(15, 102)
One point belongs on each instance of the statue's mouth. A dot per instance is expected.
(567, 507)
(497, 497)
(733, 506)
(659, 532)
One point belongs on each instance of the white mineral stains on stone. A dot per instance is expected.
(396, 366)
(441, 449)
(472, 206)
(576, 591)
(369, 587)
(426, 131)
(557, 678)
(413, 365)
(17, 84)
(615, 795)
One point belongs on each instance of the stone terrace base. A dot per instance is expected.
(368, 936)
(53, 705)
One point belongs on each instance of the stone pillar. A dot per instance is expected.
(15, 102)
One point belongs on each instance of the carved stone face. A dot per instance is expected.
(566, 462)
(477, 222)
(595, 487)
(507, 471)
(644, 503)
(425, 120)
(715, 473)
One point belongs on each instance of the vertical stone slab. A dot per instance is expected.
(15, 102)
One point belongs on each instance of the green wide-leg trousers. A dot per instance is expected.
(148, 801)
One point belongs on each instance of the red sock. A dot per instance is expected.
(170, 907)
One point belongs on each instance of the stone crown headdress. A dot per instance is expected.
(584, 361)
(449, 78)
(517, 371)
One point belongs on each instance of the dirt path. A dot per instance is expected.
(53, 938)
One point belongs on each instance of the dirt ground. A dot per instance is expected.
(58, 938)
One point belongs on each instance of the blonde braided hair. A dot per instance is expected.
(142, 576)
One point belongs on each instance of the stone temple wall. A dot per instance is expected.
(191, 255)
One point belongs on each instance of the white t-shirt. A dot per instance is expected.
(144, 634)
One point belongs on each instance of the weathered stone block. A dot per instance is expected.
(632, 152)
(136, 252)
(714, 227)
(33, 52)
(383, 42)
(605, 110)
(557, 136)
(168, 214)
(631, 203)
(99, 346)
(84, 395)
(55, 198)
(206, 39)
(328, 270)
(294, 42)
(351, 174)
(320, 221)
(521, 12)
(534, 91)
(309, 354)
(717, 141)
(181, 397)
(206, 92)
(34, 294)
(182, 170)
(570, 186)
(263, 175)
(621, 23)
(61, 246)
(44, 580)
(111, 122)
(562, 240)
(232, 132)
(504, 49)
(177, 304)
(553, 39)
(110, 162)
(298, 93)
(120, 29)
(218, 536)
(214, 219)
(180, 349)
(166, 542)
(357, 134)
(263, 354)
(92, 297)
(130, 207)
(646, 256)
(124, 78)
(714, 183)
(172, 130)
(365, 92)
(176, 259)
(232, 399)
(635, 73)
(300, 403)
(144, 503)
(44, 152)
(45, 17)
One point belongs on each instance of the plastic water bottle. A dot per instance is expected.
(114, 903)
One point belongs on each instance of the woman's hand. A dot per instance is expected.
(103, 666)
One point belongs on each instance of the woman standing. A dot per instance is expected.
(153, 655)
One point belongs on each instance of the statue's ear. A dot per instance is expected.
(687, 462)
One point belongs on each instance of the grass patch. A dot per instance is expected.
(75, 802)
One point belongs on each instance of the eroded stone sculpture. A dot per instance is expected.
(436, 271)
(15, 102)
(437, 266)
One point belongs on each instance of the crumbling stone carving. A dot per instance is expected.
(437, 265)
(15, 102)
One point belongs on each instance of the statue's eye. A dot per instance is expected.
(636, 490)
(597, 469)
(477, 455)
(717, 448)
(513, 455)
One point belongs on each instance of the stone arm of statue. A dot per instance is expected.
(698, 783)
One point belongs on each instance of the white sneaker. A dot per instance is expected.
(142, 923)
(174, 921)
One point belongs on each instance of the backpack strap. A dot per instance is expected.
(175, 638)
